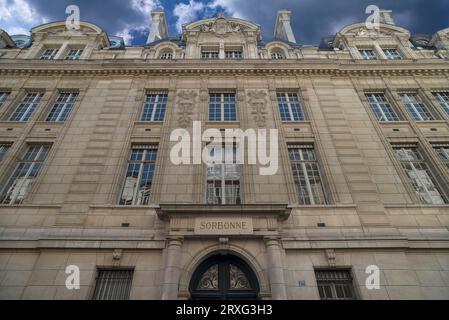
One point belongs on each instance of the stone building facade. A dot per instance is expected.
(87, 179)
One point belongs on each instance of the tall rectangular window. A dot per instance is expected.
(24, 175)
(368, 54)
(392, 54)
(49, 54)
(63, 107)
(222, 106)
(420, 175)
(335, 284)
(3, 97)
(223, 179)
(113, 284)
(381, 108)
(139, 176)
(415, 107)
(210, 54)
(4, 148)
(307, 175)
(443, 153)
(154, 107)
(74, 54)
(290, 106)
(443, 99)
(27, 107)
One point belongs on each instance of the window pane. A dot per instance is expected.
(392, 54)
(139, 176)
(335, 284)
(443, 154)
(3, 97)
(113, 285)
(74, 54)
(62, 108)
(4, 150)
(27, 108)
(222, 107)
(443, 99)
(415, 107)
(381, 108)
(420, 175)
(368, 54)
(290, 107)
(49, 54)
(306, 175)
(155, 107)
(223, 179)
(22, 178)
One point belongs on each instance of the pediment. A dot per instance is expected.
(59, 28)
(361, 30)
(222, 26)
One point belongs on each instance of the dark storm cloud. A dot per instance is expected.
(312, 19)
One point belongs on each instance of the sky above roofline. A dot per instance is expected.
(311, 19)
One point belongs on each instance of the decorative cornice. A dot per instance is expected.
(246, 67)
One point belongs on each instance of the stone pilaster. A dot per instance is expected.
(172, 269)
(275, 269)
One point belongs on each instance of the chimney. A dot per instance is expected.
(159, 28)
(283, 29)
(386, 17)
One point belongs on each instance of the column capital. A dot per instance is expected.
(174, 241)
(272, 241)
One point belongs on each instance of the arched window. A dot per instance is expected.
(224, 277)
(277, 55)
(166, 55)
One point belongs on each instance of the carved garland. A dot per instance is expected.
(186, 106)
(257, 100)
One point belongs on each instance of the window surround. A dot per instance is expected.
(388, 113)
(226, 178)
(368, 53)
(154, 108)
(292, 109)
(277, 54)
(29, 111)
(315, 164)
(210, 53)
(426, 164)
(35, 155)
(141, 160)
(49, 52)
(415, 107)
(73, 53)
(225, 102)
(391, 57)
(63, 106)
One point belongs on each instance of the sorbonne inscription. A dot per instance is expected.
(224, 226)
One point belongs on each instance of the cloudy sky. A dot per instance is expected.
(312, 19)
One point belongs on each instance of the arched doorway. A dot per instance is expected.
(224, 277)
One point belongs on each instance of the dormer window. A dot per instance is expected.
(74, 54)
(277, 55)
(49, 54)
(166, 55)
(210, 54)
(392, 54)
(368, 54)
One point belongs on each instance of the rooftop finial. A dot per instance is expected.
(283, 29)
(159, 27)
(386, 17)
